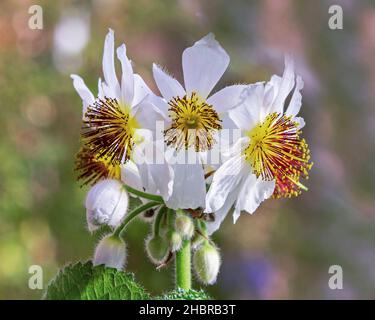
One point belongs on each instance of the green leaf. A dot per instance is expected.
(181, 294)
(83, 281)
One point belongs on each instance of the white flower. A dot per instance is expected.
(106, 204)
(110, 251)
(193, 119)
(119, 123)
(270, 158)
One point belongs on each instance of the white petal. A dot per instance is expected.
(203, 65)
(81, 88)
(189, 188)
(130, 175)
(168, 86)
(296, 100)
(84, 92)
(127, 78)
(285, 86)
(108, 91)
(253, 192)
(141, 90)
(109, 65)
(247, 114)
(100, 89)
(147, 115)
(147, 180)
(160, 104)
(163, 177)
(225, 179)
(227, 98)
(220, 215)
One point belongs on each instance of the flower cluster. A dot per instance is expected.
(188, 157)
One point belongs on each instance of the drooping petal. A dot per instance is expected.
(127, 78)
(227, 98)
(109, 65)
(168, 86)
(296, 100)
(189, 188)
(225, 179)
(253, 192)
(203, 65)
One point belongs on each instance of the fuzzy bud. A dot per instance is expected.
(110, 251)
(157, 249)
(106, 204)
(184, 226)
(206, 262)
(175, 240)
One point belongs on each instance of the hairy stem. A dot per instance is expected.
(144, 195)
(183, 264)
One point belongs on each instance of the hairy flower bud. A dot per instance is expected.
(106, 204)
(175, 240)
(157, 249)
(110, 251)
(206, 262)
(184, 226)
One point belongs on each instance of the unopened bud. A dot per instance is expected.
(106, 204)
(110, 251)
(157, 249)
(206, 262)
(175, 240)
(184, 226)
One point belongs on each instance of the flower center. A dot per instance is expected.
(91, 168)
(194, 123)
(277, 152)
(109, 130)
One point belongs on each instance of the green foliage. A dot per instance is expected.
(83, 281)
(180, 294)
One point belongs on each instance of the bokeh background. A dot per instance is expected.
(283, 251)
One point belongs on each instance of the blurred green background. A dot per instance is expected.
(285, 249)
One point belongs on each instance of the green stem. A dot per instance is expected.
(183, 266)
(131, 215)
(158, 219)
(144, 195)
(183, 262)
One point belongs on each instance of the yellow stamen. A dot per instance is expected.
(91, 168)
(194, 123)
(276, 152)
(109, 130)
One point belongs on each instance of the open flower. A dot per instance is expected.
(118, 123)
(192, 118)
(271, 157)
